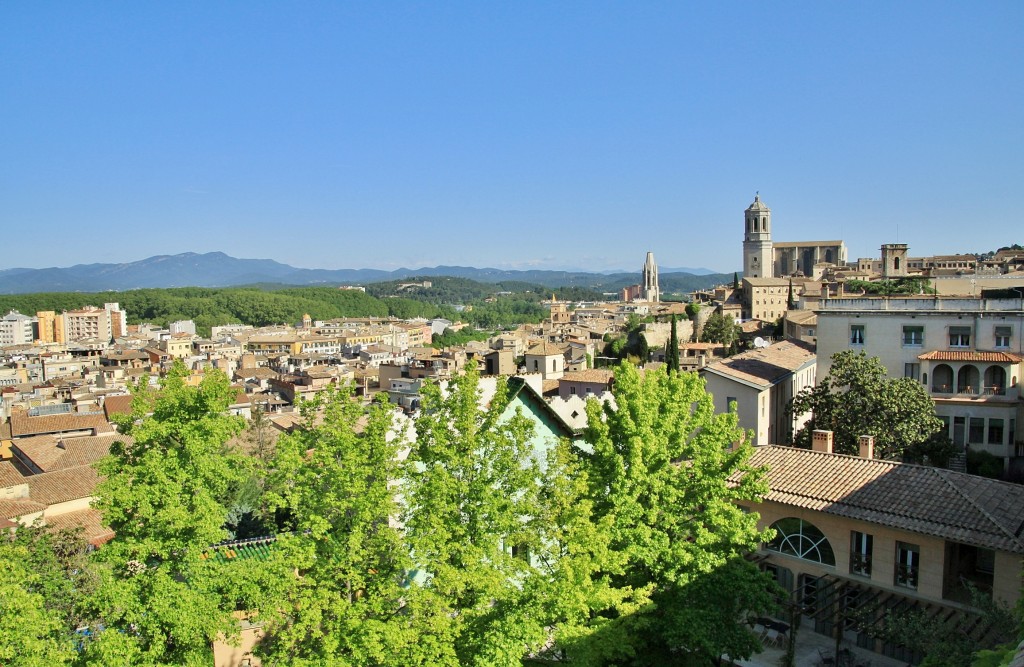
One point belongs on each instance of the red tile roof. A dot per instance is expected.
(22, 425)
(971, 355)
(932, 501)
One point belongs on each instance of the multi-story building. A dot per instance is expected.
(856, 537)
(761, 383)
(118, 319)
(50, 327)
(88, 322)
(16, 329)
(967, 352)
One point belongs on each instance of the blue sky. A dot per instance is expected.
(514, 135)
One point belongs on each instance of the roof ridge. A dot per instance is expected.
(945, 476)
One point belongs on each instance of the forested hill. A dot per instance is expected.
(485, 306)
(215, 269)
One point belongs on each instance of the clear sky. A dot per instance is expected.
(505, 134)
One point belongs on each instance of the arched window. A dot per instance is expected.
(796, 537)
(943, 379)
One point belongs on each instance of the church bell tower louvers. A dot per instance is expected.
(757, 240)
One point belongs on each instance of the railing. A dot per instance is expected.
(860, 564)
(906, 576)
(994, 390)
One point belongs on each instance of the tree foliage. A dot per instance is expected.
(472, 488)
(164, 496)
(658, 481)
(335, 479)
(672, 353)
(857, 398)
(721, 329)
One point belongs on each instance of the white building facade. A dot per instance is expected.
(966, 352)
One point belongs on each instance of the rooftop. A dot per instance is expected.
(964, 508)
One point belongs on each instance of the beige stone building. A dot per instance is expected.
(966, 352)
(761, 383)
(764, 258)
(856, 538)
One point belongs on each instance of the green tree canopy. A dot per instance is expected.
(658, 480)
(721, 329)
(857, 398)
(164, 496)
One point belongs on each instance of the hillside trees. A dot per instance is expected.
(857, 398)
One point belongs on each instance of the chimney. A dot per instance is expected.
(867, 446)
(821, 441)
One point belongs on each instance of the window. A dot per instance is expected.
(913, 336)
(976, 431)
(536, 365)
(945, 425)
(995, 431)
(860, 553)
(729, 402)
(959, 336)
(911, 371)
(1002, 335)
(908, 564)
(856, 334)
(796, 537)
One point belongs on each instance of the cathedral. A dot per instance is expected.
(763, 258)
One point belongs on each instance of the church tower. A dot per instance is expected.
(757, 240)
(651, 293)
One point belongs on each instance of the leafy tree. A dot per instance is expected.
(721, 329)
(692, 310)
(46, 577)
(857, 398)
(658, 479)
(164, 496)
(672, 353)
(472, 488)
(336, 478)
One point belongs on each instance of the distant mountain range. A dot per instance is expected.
(216, 269)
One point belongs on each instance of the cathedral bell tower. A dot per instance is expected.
(757, 240)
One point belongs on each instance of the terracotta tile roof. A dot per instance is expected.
(22, 425)
(764, 367)
(41, 450)
(117, 405)
(89, 520)
(593, 375)
(545, 349)
(12, 509)
(10, 475)
(60, 486)
(86, 450)
(971, 355)
(932, 501)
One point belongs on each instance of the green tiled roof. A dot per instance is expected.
(258, 548)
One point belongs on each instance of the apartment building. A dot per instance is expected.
(966, 352)
(16, 329)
